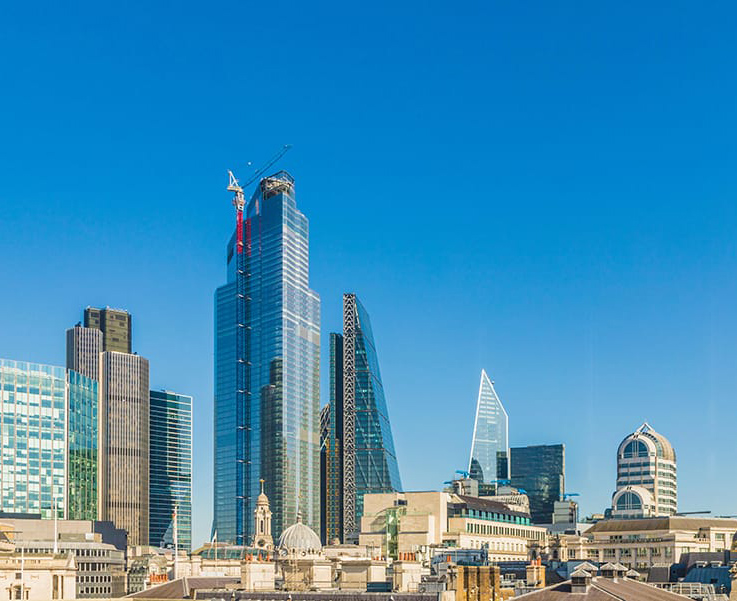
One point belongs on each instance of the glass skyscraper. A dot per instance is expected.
(37, 401)
(358, 443)
(489, 460)
(170, 469)
(83, 449)
(273, 433)
(541, 472)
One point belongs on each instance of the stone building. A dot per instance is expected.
(418, 523)
(642, 543)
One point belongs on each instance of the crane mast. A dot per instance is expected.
(243, 477)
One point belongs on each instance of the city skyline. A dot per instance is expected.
(591, 272)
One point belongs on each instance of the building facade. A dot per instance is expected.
(170, 465)
(540, 471)
(423, 523)
(646, 476)
(267, 351)
(640, 543)
(84, 346)
(101, 349)
(33, 475)
(360, 447)
(49, 432)
(82, 446)
(115, 325)
(489, 460)
(124, 444)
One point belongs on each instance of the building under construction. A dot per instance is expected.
(267, 353)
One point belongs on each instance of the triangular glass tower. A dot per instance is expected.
(358, 446)
(489, 460)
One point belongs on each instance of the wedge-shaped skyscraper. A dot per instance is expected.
(490, 446)
(357, 443)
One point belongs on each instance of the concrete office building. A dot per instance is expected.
(115, 325)
(49, 453)
(84, 346)
(642, 543)
(170, 464)
(267, 369)
(421, 523)
(97, 551)
(102, 349)
(124, 444)
(540, 471)
(646, 476)
(359, 447)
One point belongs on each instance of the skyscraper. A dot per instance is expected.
(646, 475)
(267, 351)
(490, 446)
(541, 471)
(359, 449)
(115, 325)
(83, 404)
(48, 415)
(102, 350)
(170, 465)
(84, 346)
(124, 444)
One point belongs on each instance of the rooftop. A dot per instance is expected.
(603, 589)
(661, 523)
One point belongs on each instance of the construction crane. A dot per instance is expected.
(568, 495)
(243, 376)
(501, 482)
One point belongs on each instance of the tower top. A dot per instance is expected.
(262, 498)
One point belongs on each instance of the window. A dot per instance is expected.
(629, 501)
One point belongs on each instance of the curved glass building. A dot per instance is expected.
(358, 446)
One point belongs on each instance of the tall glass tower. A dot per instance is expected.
(490, 446)
(267, 415)
(170, 471)
(358, 443)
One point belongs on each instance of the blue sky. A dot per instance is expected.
(544, 190)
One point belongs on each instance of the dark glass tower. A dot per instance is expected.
(170, 471)
(115, 325)
(273, 433)
(541, 471)
(359, 449)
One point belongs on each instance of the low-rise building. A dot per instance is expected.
(98, 549)
(38, 578)
(642, 543)
(420, 523)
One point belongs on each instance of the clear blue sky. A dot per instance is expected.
(542, 189)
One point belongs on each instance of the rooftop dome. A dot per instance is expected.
(299, 538)
(652, 440)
